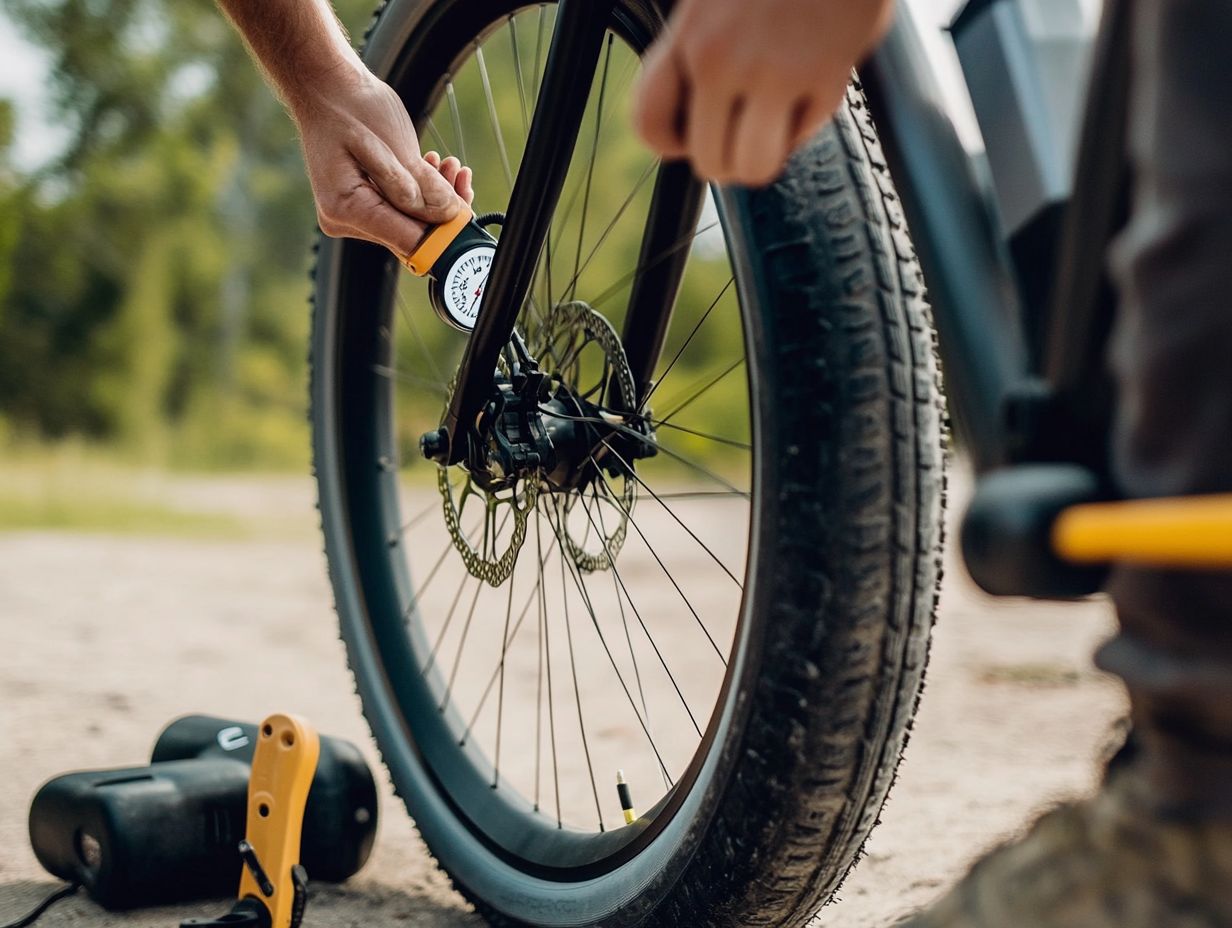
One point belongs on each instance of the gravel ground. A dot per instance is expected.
(108, 638)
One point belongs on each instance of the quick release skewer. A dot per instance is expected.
(456, 257)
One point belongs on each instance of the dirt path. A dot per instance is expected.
(106, 639)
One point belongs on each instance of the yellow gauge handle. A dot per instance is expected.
(430, 248)
(1186, 531)
(283, 766)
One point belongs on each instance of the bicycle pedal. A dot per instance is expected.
(273, 889)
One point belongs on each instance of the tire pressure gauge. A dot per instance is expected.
(456, 257)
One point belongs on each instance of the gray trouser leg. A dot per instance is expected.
(1172, 357)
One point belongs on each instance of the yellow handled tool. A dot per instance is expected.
(456, 257)
(1183, 532)
(273, 885)
(434, 244)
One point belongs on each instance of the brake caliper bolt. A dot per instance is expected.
(435, 445)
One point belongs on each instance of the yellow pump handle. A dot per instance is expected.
(283, 765)
(1185, 532)
(419, 262)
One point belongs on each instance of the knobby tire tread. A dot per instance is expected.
(844, 650)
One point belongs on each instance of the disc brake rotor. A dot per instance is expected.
(579, 319)
(486, 555)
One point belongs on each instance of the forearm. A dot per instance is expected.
(299, 44)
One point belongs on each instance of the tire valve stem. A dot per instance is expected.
(626, 798)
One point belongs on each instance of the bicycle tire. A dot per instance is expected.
(835, 632)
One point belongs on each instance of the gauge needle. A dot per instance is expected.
(478, 294)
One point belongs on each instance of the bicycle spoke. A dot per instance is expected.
(539, 672)
(440, 638)
(700, 392)
(579, 583)
(539, 46)
(445, 147)
(684, 242)
(642, 483)
(517, 69)
(658, 560)
(457, 660)
(705, 494)
(496, 127)
(594, 152)
(731, 442)
(457, 120)
(577, 692)
(411, 379)
(547, 652)
(500, 698)
(423, 344)
(700, 322)
(638, 185)
(423, 587)
(624, 620)
(561, 220)
(414, 520)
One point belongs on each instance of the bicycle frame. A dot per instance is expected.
(1011, 352)
(1023, 363)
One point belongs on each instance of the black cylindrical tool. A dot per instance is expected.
(144, 835)
(340, 819)
(170, 831)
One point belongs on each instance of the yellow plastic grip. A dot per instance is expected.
(283, 765)
(1186, 531)
(419, 262)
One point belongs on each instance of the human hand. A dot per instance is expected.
(735, 87)
(368, 177)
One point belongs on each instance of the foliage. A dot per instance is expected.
(152, 278)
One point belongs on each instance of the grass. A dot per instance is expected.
(76, 488)
(60, 512)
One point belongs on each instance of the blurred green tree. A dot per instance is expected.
(152, 275)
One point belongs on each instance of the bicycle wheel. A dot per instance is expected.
(724, 588)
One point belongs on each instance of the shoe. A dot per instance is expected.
(1116, 860)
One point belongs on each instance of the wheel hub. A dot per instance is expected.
(541, 433)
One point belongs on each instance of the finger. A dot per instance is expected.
(433, 158)
(662, 102)
(709, 135)
(808, 118)
(465, 186)
(449, 169)
(760, 146)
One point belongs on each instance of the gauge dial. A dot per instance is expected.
(457, 296)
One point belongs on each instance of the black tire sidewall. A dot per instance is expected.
(648, 888)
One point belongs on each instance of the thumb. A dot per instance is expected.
(662, 99)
